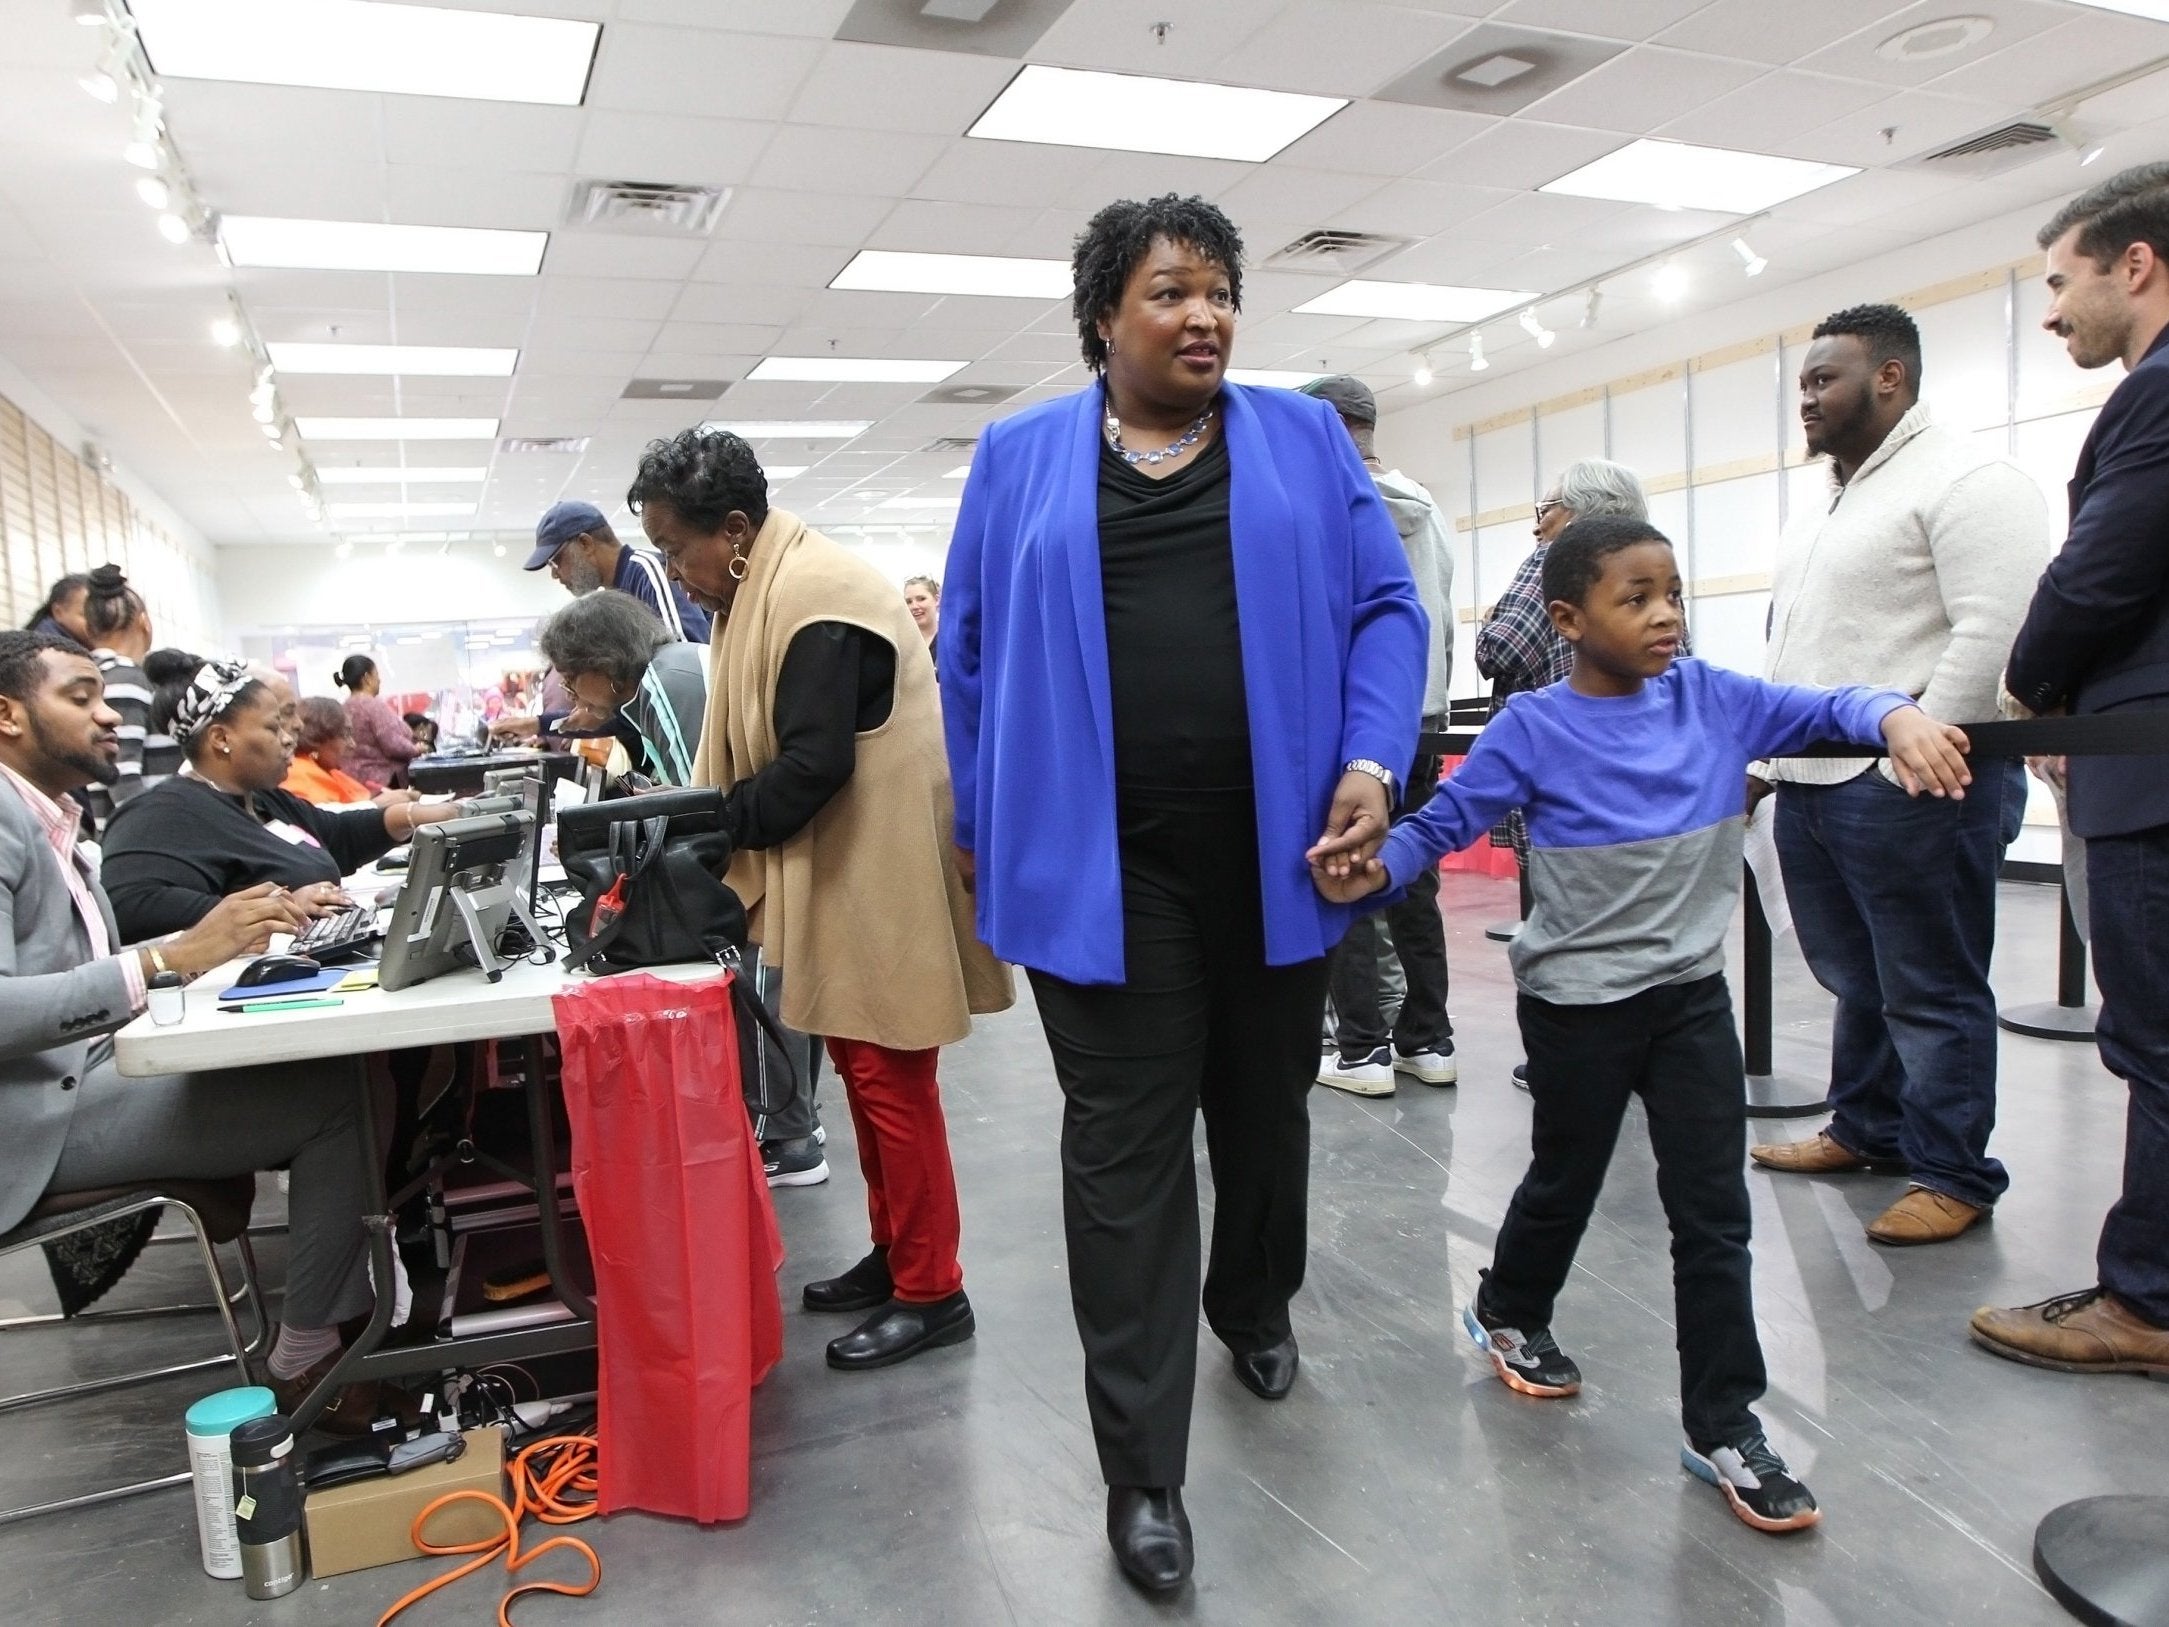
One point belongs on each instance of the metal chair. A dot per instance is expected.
(215, 1212)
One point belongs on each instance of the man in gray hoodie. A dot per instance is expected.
(1420, 1040)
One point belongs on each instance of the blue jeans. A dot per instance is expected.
(1894, 898)
(2128, 878)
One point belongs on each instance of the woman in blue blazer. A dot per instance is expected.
(1179, 639)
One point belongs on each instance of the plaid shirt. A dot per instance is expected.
(61, 824)
(1518, 648)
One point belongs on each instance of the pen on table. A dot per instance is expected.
(278, 1005)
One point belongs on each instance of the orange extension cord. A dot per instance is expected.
(554, 1480)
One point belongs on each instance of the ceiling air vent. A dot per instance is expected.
(1344, 252)
(1989, 152)
(574, 444)
(649, 206)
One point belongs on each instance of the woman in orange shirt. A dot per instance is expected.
(316, 775)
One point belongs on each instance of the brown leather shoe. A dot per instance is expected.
(1822, 1156)
(2091, 1331)
(1922, 1216)
(357, 1406)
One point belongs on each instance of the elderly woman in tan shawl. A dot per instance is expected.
(824, 728)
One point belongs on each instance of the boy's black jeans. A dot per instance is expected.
(1676, 1047)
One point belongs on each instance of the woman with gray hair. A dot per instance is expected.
(617, 658)
(1517, 647)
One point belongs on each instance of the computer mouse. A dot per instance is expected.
(275, 969)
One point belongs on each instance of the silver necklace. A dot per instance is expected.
(1173, 449)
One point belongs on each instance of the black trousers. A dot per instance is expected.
(1676, 1048)
(1201, 1023)
(1419, 939)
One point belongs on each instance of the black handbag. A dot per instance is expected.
(650, 873)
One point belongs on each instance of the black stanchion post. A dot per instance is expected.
(2069, 1017)
(1767, 1096)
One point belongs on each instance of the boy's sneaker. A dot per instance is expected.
(1755, 1481)
(1521, 1076)
(794, 1163)
(1529, 1361)
(1434, 1066)
(1367, 1073)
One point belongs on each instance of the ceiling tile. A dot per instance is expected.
(1521, 153)
(1856, 56)
(561, 297)
(593, 253)
(1774, 110)
(2089, 48)
(1614, 19)
(1418, 208)
(1282, 192)
(1124, 36)
(714, 302)
(739, 76)
(1345, 48)
(763, 215)
(1757, 31)
(670, 147)
(884, 87)
(1637, 91)
(507, 200)
(493, 136)
(950, 228)
(806, 159)
(1385, 139)
(1916, 122)
(1006, 172)
(771, 265)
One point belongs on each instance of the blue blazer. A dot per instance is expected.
(2097, 636)
(1334, 648)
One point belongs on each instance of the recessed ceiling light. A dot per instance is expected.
(358, 245)
(395, 476)
(1069, 107)
(396, 511)
(793, 429)
(1676, 175)
(396, 429)
(1270, 378)
(413, 361)
(1414, 301)
(1946, 36)
(849, 370)
(1500, 68)
(363, 45)
(893, 272)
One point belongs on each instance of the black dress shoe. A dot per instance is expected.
(1269, 1373)
(861, 1288)
(1150, 1534)
(900, 1330)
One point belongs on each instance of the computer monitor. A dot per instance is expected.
(462, 890)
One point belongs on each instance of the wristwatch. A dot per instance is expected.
(1377, 771)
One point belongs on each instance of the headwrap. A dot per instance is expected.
(209, 697)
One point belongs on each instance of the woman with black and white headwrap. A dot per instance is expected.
(223, 824)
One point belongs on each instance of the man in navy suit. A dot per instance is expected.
(2097, 640)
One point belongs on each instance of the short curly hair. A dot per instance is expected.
(1575, 559)
(1886, 332)
(1115, 239)
(703, 474)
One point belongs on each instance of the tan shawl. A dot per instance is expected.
(862, 911)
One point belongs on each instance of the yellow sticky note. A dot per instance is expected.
(355, 982)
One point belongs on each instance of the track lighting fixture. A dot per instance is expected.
(1477, 363)
(1748, 257)
(1536, 330)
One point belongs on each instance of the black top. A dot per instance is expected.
(837, 681)
(1174, 641)
(176, 850)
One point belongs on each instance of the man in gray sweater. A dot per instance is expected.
(1913, 576)
(1420, 1041)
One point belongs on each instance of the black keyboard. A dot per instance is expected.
(338, 932)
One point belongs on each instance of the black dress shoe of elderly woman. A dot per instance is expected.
(1150, 1534)
(900, 1330)
(1268, 1373)
(863, 1287)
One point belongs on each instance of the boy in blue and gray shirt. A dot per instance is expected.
(1633, 775)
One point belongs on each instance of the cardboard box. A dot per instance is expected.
(367, 1522)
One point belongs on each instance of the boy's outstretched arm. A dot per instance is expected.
(1929, 756)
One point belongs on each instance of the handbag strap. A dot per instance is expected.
(635, 846)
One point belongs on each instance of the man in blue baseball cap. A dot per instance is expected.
(582, 553)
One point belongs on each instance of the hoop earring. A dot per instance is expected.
(738, 567)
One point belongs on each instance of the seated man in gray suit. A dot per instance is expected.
(69, 1121)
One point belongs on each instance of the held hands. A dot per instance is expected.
(1929, 756)
(1343, 862)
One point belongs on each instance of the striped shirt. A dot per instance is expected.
(640, 572)
(145, 758)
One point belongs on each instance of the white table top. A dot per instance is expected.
(461, 1005)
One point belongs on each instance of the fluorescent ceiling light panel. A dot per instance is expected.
(783, 471)
(1675, 175)
(411, 361)
(397, 429)
(849, 370)
(890, 271)
(961, 472)
(1414, 301)
(1269, 378)
(1069, 107)
(400, 477)
(364, 45)
(922, 502)
(790, 429)
(395, 511)
(358, 245)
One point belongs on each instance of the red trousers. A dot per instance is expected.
(904, 1155)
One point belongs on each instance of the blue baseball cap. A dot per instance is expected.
(560, 526)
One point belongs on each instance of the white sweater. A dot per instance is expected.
(1914, 577)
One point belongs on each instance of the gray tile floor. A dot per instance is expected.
(1399, 1482)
